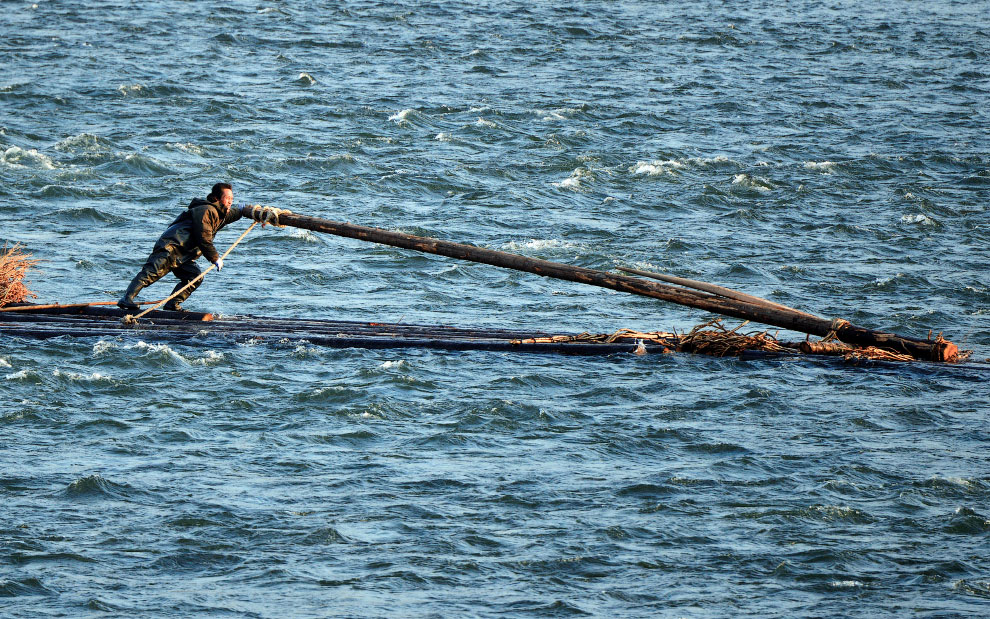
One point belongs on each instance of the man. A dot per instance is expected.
(185, 240)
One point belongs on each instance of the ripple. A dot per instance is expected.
(96, 487)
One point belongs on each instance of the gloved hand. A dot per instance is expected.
(219, 264)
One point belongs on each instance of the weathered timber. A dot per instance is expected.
(92, 309)
(346, 335)
(721, 291)
(32, 307)
(785, 319)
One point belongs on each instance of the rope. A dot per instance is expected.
(833, 334)
(131, 320)
(268, 214)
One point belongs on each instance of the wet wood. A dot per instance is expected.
(783, 318)
(334, 334)
(721, 291)
(99, 309)
(30, 307)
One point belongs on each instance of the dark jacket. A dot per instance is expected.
(191, 234)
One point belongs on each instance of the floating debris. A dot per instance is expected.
(14, 265)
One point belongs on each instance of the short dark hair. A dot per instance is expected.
(217, 190)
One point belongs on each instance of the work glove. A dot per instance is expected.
(219, 264)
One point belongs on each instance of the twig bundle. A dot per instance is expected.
(712, 338)
(14, 265)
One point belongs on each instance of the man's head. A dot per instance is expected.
(222, 193)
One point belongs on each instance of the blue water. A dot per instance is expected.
(830, 156)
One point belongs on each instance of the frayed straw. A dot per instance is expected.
(14, 265)
(712, 338)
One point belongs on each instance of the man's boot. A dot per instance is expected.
(127, 301)
(153, 270)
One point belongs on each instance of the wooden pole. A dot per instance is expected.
(785, 319)
(721, 291)
(56, 306)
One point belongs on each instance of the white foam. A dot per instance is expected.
(574, 181)
(703, 161)
(562, 113)
(306, 78)
(822, 166)
(752, 182)
(655, 167)
(880, 282)
(400, 117)
(212, 358)
(156, 349)
(536, 244)
(75, 376)
(304, 235)
(485, 123)
(103, 347)
(186, 147)
(130, 89)
(301, 349)
(845, 584)
(442, 137)
(85, 141)
(918, 218)
(4, 363)
(400, 363)
(17, 157)
(22, 375)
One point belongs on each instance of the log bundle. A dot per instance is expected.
(43, 322)
(771, 314)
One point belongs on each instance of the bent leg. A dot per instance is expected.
(158, 264)
(186, 272)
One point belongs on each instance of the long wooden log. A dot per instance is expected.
(31, 307)
(721, 291)
(920, 349)
(92, 309)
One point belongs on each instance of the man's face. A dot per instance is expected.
(227, 198)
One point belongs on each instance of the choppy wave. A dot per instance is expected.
(85, 143)
(17, 157)
(80, 377)
(25, 375)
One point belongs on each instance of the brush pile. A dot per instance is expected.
(14, 265)
(712, 338)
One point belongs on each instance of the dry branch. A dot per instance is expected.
(14, 265)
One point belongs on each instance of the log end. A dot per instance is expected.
(945, 351)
